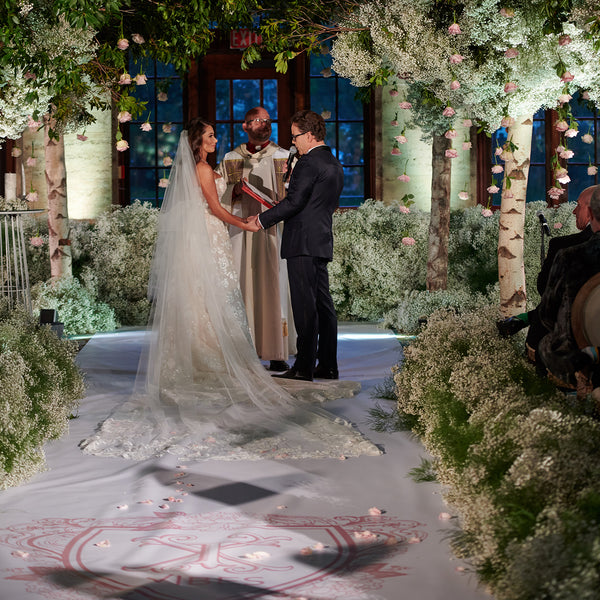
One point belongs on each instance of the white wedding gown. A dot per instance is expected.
(201, 391)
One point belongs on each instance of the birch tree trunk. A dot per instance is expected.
(511, 270)
(58, 218)
(439, 224)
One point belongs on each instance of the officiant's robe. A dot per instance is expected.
(263, 274)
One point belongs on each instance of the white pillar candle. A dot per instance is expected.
(10, 186)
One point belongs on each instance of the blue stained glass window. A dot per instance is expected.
(150, 152)
(334, 98)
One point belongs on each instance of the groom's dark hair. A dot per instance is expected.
(307, 120)
(196, 128)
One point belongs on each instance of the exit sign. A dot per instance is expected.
(242, 38)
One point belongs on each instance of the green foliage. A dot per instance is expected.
(41, 386)
(374, 276)
(120, 250)
(519, 461)
(77, 306)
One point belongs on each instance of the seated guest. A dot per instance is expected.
(537, 331)
(571, 269)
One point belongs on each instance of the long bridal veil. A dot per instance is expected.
(200, 389)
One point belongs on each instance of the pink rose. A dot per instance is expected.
(510, 87)
(511, 53)
(124, 116)
(560, 172)
(454, 85)
(167, 127)
(497, 169)
(555, 193)
(454, 29)
(592, 170)
(463, 195)
(456, 59)
(146, 126)
(125, 79)
(486, 212)
(404, 209)
(31, 161)
(394, 92)
(404, 178)
(32, 197)
(167, 161)
(587, 138)
(36, 241)
(451, 153)
(467, 123)
(162, 96)
(567, 77)
(561, 126)
(564, 98)
(81, 137)
(507, 12)
(557, 225)
(163, 183)
(560, 149)
(30, 75)
(567, 154)
(140, 79)
(466, 145)
(400, 139)
(408, 241)
(396, 152)
(507, 122)
(16, 152)
(450, 134)
(137, 38)
(122, 145)
(122, 44)
(33, 124)
(498, 151)
(571, 133)
(326, 72)
(585, 95)
(564, 40)
(493, 189)
(394, 123)
(448, 112)
(405, 105)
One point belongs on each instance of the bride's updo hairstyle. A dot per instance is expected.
(196, 128)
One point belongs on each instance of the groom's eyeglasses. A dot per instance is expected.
(298, 135)
(257, 120)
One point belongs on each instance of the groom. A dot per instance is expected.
(307, 243)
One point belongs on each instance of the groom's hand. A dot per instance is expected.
(254, 224)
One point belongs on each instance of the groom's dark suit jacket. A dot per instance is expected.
(313, 195)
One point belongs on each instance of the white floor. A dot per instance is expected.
(94, 527)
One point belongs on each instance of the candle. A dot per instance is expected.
(10, 186)
(23, 186)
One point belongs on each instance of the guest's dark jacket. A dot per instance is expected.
(571, 269)
(313, 195)
(556, 244)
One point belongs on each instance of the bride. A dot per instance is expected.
(201, 390)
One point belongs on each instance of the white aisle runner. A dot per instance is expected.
(94, 527)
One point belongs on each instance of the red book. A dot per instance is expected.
(255, 193)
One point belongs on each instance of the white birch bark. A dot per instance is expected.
(511, 270)
(58, 218)
(439, 224)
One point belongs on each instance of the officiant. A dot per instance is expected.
(263, 274)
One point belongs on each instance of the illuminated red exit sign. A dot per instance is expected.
(242, 38)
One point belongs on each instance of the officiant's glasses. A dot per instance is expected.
(258, 120)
